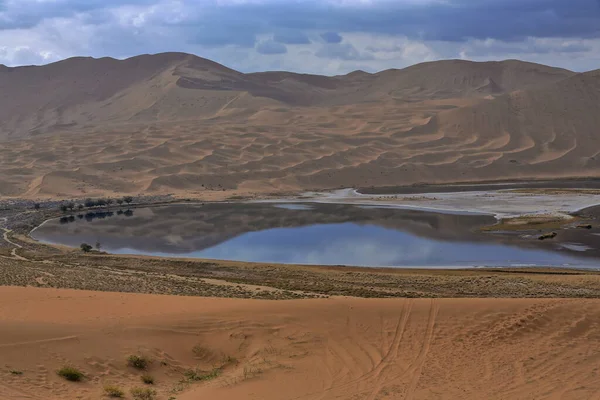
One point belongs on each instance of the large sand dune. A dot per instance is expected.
(176, 123)
(338, 348)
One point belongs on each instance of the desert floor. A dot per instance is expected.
(335, 348)
(212, 330)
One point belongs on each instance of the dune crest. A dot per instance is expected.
(177, 123)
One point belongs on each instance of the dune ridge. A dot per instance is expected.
(177, 123)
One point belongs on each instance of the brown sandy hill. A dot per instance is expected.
(80, 92)
(338, 348)
(550, 130)
(177, 123)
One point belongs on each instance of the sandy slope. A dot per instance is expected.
(339, 348)
(176, 123)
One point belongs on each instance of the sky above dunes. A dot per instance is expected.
(314, 36)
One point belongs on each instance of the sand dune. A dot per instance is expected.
(308, 349)
(176, 123)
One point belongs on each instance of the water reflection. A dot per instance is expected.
(317, 234)
(92, 215)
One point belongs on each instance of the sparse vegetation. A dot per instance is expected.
(16, 372)
(138, 362)
(63, 208)
(199, 375)
(128, 199)
(143, 393)
(119, 201)
(113, 391)
(70, 373)
(36, 206)
(86, 248)
(250, 371)
(148, 379)
(545, 236)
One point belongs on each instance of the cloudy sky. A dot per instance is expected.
(314, 36)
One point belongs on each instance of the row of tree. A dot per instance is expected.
(90, 203)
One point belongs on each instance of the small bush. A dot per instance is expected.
(70, 373)
(89, 203)
(198, 375)
(114, 391)
(138, 362)
(545, 236)
(148, 379)
(86, 248)
(128, 199)
(143, 393)
(16, 372)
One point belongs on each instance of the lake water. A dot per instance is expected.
(325, 234)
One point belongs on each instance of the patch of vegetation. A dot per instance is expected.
(148, 379)
(138, 362)
(199, 375)
(545, 236)
(113, 391)
(70, 373)
(86, 248)
(15, 372)
(143, 393)
(250, 371)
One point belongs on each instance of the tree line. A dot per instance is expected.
(91, 203)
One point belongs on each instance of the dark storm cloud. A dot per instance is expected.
(451, 20)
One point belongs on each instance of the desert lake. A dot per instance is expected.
(309, 233)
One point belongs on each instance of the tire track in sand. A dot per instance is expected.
(390, 354)
(414, 369)
(416, 375)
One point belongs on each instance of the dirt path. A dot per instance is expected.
(16, 246)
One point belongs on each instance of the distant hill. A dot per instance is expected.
(175, 122)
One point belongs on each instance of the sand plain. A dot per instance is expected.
(336, 348)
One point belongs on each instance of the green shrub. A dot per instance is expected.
(138, 362)
(148, 379)
(70, 373)
(199, 375)
(16, 372)
(86, 248)
(143, 393)
(113, 391)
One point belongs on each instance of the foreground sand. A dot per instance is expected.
(337, 348)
